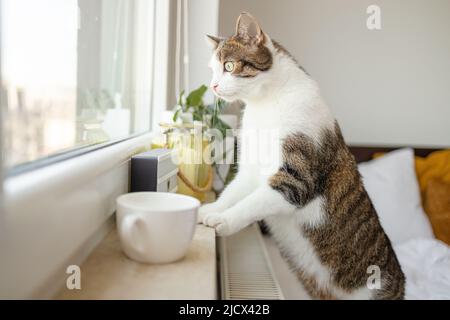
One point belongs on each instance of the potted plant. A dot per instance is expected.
(190, 114)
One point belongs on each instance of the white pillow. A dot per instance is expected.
(392, 186)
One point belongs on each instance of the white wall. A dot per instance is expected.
(386, 87)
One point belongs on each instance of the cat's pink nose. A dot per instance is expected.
(215, 86)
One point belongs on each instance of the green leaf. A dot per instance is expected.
(180, 98)
(197, 116)
(221, 126)
(195, 98)
(176, 115)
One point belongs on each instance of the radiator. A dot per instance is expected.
(246, 272)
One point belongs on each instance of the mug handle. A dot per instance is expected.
(127, 226)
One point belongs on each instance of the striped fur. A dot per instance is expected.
(352, 238)
(249, 58)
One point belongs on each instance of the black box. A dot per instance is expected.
(154, 171)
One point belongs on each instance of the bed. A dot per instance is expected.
(424, 259)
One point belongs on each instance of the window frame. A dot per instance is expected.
(63, 156)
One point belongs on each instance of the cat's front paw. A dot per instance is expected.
(220, 222)
(207, 209)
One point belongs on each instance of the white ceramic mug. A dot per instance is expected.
(156, 227)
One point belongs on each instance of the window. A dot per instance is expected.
(69, 71)
(74, 74)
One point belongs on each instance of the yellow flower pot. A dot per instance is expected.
(195, 176)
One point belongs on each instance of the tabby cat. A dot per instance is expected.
(311, 195)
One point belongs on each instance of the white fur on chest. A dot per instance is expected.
(260, 143)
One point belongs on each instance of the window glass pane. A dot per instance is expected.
(73, 74)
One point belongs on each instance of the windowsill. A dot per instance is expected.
(108, 274)
(53, 216)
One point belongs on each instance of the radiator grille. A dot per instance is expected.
(246, 271)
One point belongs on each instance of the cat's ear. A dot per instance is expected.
(213, 41)
(248, 28)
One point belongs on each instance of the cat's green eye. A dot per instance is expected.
(229, 66)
